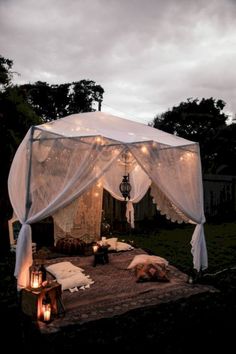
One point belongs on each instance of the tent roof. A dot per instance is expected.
(111, 127)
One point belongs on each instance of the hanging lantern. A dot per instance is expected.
(47, 308)
(35, 278)
(125, 187)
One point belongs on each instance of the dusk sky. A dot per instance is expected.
(148, 55)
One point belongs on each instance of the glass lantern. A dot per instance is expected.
(36, 278)
(125, 187)
(47, 308)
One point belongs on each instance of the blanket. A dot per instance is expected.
(115, 290)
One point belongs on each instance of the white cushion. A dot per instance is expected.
(69, 276)
(112, 242)
(122, 246)
(146, 259)
(63, 270)
(76, 280)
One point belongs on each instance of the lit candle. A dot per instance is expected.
(47, 313)
(46, 306)
(95, 248)
(36, 279)
(35, 284)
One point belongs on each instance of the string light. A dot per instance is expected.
(144, 149)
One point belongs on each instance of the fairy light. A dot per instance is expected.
(187, 156)
(144, 149)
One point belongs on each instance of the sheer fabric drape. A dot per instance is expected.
(50, 171)
(176, 171)
(139, 182)
(38, 187)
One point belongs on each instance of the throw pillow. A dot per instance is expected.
(112, 242)
(70, 245)
(151, 272)
(76, 280)
(122, 246)
(147, 259)
(63, 270)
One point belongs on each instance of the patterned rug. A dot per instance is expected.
(115, 290)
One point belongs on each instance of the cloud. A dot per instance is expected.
(147, 55)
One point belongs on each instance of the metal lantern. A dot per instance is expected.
(47, 308)
(35, 278)
(125, 187)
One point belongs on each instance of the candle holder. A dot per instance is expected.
(36, 278)
(95, 248)
(47, 308)
(101, 255)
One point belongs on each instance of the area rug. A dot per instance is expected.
(115, 290)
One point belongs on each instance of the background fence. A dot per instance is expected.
(219, 205)
(220, 197)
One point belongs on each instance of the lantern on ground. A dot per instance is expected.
(47, 308)
(36, 278)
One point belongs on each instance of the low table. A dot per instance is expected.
(101, 256)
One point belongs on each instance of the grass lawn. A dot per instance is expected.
(174, 245)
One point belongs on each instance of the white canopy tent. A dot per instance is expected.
(58, 161)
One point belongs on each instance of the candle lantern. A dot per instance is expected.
(47, 308)
(95, 248)
(35, 278)
(125, 186)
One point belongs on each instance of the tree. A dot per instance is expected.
(201, 121)
(32, 104)
(5, 71)
(57, 101)
(226, 150)
(16, 117)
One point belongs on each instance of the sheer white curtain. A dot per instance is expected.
(49, 171)
(177, 173)
(139, 182)
(40, 184)
(64, 217)
(166, 207)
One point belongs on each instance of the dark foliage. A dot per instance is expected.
(32, 104)
(57, 101)
(5, 71)
(16, 117)
(203, 121)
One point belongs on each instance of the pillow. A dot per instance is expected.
(70, 245)
(112, 242)
(76, 280)
(151, 272)
(122, 246)
(63, 270)
(146, 259)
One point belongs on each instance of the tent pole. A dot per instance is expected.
(99, 105)
(28, 201)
